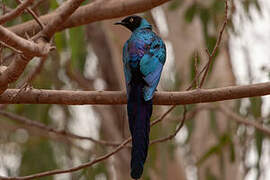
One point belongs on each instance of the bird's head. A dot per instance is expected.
(134, 22)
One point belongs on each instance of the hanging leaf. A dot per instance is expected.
(78, 47)
(190, 12)
(256, 106)
(37, 157)
(224, 140)
(60, 41)
(54, 4)
(175, 4)
(192, 64)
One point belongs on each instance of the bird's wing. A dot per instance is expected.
(127, 70)
(151, 66)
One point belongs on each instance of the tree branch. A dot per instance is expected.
(212, 54)
(43, 127)
(33, 14)
(16, 68)
(16, 12)
(95, 11)
(26, 46)
(228, 112)
(63, 12)
(67, 97)
(85, 165)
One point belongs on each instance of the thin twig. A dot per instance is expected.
(5, 8)
(58, 171)
(10, 47)
(43, 127)
(1, 55)
(37, 3)
(31, 76)
(34, 15)
(197, 79)
(239, 119)
(85, 165)
(176, 131)
(16, 12)
(16, 68)
(211, 55)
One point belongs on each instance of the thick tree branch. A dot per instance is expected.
(16, 12)
(16, 68)
(26, 46)
(95, 11)
(36, 96)
(63, 12)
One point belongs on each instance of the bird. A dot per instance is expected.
(144, 55)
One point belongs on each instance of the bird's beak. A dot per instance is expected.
(118, 23)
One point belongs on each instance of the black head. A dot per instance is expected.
(131, 22)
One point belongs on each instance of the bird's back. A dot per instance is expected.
(144, 55)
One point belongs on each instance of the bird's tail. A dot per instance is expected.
(139, 114)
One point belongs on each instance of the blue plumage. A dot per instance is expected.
(144, 55)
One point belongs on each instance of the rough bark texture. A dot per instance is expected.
(38, 96)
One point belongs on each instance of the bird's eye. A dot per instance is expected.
(131, 20)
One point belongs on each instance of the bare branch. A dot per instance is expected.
(31, 76)
(42, 47)
(101, 158)
(228, 112)
(26, 46)
(43, 127)
(95, 11)
(211, 55)
(30, 11)
(176, 131)
(16, 12)
(67, 97)
(10, 47)
(58, 171)
(63, 12)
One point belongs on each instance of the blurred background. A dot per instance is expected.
(210, 146)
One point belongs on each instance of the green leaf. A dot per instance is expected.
(175, 4)
(37, 157)
(190, 12)
(213, 122)
(210, 175)
(192, 64)
(256, 106)
(224, 140)
(78, 47)
(92, 172)
(232, 152)
(60, 41)
(259, 136)
(211, 42)
(218, 6)
(204, 16)
(54, 4)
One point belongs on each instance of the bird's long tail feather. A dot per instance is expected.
(139, 114)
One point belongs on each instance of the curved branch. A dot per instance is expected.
(26, 46)
(16, 12)
(16, 68)
(95, 11)
(241, 120)
(67, 97)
